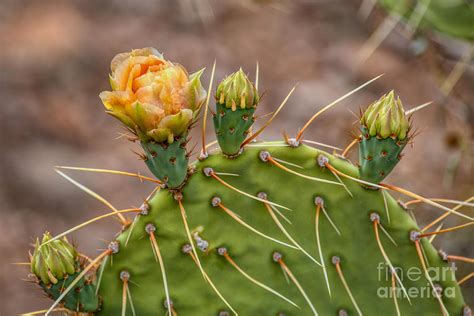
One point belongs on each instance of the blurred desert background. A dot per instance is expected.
(54, 61)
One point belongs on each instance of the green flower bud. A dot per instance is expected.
(237, 91)
(386, 118)
(53, 260)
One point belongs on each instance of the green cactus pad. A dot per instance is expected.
(378, 157)
(82, 298)
(232, 127)
(168, 162)
(361, 260)
(279, 229)
(453, 18)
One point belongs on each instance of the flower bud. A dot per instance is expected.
(237, 92)
(53, 260)
(154, 97)
(386, 118)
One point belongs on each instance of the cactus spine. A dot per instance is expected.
(279, 229)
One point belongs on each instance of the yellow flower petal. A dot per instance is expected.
(153, 96)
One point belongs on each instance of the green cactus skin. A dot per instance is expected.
(378, 157)
(82, 298)
(168, 162)
(357, 247)
(453, 18)
(232, 127)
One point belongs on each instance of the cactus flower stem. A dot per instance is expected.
(168, 162)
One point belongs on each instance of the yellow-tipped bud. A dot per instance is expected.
(237, 91)
(154, 97)
(386, 118)
(53, 260)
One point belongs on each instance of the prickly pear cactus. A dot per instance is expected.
(260, 228)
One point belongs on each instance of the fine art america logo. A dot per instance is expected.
(414, 282)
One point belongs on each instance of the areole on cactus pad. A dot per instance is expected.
(257, 228)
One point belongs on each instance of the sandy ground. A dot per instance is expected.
(54, 61)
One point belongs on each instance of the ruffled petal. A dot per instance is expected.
(146, 116)
(116, 104)
(172, 126)
(147, 51)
